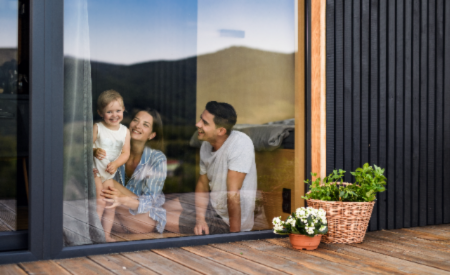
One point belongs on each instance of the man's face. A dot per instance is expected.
(206, 127)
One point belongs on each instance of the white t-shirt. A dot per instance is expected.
(236, 154)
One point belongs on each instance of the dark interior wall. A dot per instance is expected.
(387, 89)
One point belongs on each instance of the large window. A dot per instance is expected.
(150, 150)
(14, 116)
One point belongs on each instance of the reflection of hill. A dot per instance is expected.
(7, 54)
(168, 86)
(259, 84)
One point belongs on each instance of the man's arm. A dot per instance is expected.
(201, 203)
(234, 185)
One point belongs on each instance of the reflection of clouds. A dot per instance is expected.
(232, 33)
(268, 24)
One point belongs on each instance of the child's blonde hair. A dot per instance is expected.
(107, 97)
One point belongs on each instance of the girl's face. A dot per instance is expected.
(112, 114)
(141, 127)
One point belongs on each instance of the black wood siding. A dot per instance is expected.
(387, 89)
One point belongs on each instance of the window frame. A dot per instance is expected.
(45, 233)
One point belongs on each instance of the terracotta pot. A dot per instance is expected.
(304, 242)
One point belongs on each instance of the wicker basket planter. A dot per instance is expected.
(347, 221)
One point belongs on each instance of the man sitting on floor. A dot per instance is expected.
(226, 190)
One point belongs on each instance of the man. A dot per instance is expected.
(226, 190)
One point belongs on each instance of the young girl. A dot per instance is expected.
(111, 150)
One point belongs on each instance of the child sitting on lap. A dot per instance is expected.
(111, 150)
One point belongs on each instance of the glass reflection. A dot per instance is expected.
(14, 115)
(207, 94)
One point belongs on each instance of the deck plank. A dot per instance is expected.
(8, 217)
(343, 259)
(423, 251)
(385, 262)
(44, 267)
(82, 266)
(4, 227)
(11, 269)
(309, 261)
(402, 252)
(411, 240)
(439, 231)
(230, 260)
(144, 236)
(119, 264)
(445, 227)
(11, 204)
(158, 263)
(420, 235)
(195, 262)
(266, 259)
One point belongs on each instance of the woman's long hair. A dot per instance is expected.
(158, 141)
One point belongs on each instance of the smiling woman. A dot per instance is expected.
(137, 187)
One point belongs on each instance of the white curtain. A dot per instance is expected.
(81, 223)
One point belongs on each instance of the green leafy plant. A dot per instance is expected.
(304, 221)
(368, 182)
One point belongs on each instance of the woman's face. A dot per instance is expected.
(141, 127)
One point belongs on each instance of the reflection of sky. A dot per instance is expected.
(133, 31)
(268, 24)
(8, 23)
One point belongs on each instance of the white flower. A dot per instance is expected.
(322, 228)
(276, 221)
(292, 222)
(278, 227)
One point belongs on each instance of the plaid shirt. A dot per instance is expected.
(147, 183)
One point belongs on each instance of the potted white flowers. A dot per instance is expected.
(305, 227)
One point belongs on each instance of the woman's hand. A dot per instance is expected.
(111, 167)
(113, 196)
(99, 153)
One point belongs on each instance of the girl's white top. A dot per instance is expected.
(112, 142)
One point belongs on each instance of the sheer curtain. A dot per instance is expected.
(81, 223)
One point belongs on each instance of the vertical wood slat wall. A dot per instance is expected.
(388, 103)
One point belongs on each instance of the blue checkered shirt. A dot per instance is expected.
(147, 183)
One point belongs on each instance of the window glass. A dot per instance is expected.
(14, 115)
(179, 117)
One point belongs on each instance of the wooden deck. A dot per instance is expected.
(420, 250)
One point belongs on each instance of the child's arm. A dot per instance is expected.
(98, 152)
(122, 159)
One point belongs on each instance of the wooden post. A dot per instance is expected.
(318, 87)
(299, 190)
